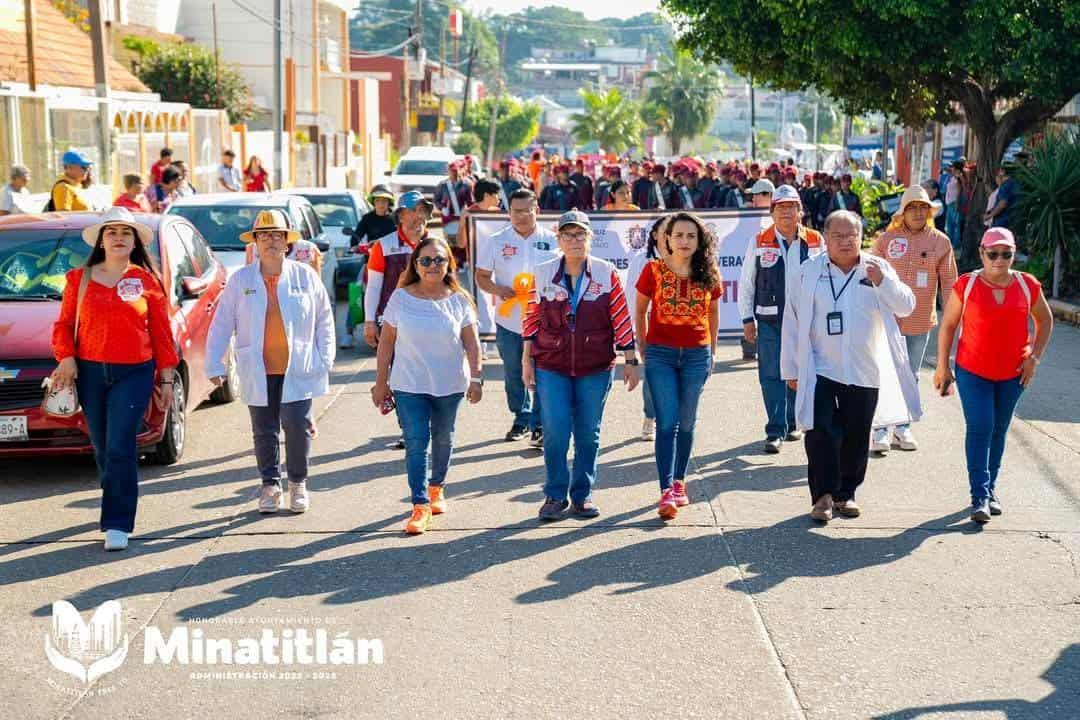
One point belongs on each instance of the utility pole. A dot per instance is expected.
(278, 102)
(442, 73)
(498, 100)
(31, 24)
(817, 151)
(885, 147)
(101, 84)
(217, 56)
(753, 122)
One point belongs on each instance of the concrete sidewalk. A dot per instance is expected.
(739, 609)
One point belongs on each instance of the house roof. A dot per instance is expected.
(62, 54)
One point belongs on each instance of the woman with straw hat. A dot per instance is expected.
(283, 321)
(923, 258)
(112, 333)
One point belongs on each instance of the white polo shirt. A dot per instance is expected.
(506, 254)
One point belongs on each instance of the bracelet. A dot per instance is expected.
(166, 382)
(477, 380)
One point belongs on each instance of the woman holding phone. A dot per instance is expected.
(996, 358)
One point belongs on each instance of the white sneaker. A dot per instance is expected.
(270, 499)
(904, 439)
(116, 540)
(648, 429)
(879, 441)
(298, 497)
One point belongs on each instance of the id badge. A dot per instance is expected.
(834, 322)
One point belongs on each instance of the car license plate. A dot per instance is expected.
(13, 428)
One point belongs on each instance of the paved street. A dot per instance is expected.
(739, 609)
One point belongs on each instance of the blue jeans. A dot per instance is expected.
(916, 352)
(523, 404)
(779, 398)
(427, 419)
(647, 399)
(114, 397)
(571, 404)
(988, 410)
(953, 225)
(676, 376)
(267, 422)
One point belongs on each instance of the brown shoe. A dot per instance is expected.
(586, 509)
(823, 508)
(553, 509)
(848, 508)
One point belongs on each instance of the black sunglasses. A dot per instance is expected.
(994, 254)
(428, 261)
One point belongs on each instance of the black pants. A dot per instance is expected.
(838, 447)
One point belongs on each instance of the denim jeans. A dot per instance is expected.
(676, 376)
(427, 420)
(953, 225)
(779, 398)
(916, 352)
(266, 422)
(523, 404)
(114, 397)
(647, 399)
(988, 409)
(571, 405)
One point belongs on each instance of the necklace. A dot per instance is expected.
(996, 285)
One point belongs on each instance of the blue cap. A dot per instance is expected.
(412, 200)
(74, 157)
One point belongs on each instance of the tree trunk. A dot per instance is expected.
(991, 138)
(676, 143)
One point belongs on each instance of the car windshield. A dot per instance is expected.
(421, 167)
(221, 225)
(33, 262)
(334, 210)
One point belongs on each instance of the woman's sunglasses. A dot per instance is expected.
(428, 261)
(994, 254)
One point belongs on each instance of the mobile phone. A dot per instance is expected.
(388, 405)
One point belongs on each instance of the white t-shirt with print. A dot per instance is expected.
(429, 357)
(506, 254)
(14, 201)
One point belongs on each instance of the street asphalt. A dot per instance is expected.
(740, 608)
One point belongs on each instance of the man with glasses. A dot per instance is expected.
(505, 267)
(842, 351)
(784, 244)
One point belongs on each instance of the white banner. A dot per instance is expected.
(617, 237)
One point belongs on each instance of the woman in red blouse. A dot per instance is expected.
(256, 179)
(677, 313)
(995, 358)
(109, 348)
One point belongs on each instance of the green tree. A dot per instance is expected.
(1008, 65)
(188, 73)
(687, 88)
(516, 123)
(467, 143)
(609, 119)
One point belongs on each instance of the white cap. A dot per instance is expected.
(785, 193)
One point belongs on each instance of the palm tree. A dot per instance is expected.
(609, 119)
(687, 88)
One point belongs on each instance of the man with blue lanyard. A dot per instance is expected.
(786, 243)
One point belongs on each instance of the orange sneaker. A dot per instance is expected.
(420, 520)
(438, 500)
(669, 505)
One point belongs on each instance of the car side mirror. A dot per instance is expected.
(193, 287)
(347, 232)
(323, 246)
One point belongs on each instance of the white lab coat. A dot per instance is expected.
(898, 393)
(309, 327)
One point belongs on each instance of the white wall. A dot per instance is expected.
(158, 14)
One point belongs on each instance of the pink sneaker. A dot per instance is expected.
(680, 493)
(669, 506)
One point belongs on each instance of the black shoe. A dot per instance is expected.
(537, 439)
(553, 509)
(586, 509)
(400, 444)
(772, 445)
(516, 432)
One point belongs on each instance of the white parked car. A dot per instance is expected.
(339, 213)
(423, 168)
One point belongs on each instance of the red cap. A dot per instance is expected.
(755, 166)
(998, 236)
(774, 166)
(579, 162)
(563, 168)
(658, 168)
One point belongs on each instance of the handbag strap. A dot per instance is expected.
(84, 282)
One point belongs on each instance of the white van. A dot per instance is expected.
(423, 168)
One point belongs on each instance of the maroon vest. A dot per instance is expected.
(589, 346)
(397, 255)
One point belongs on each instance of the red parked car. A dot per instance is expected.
(35, 253)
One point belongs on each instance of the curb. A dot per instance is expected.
(1066, 312)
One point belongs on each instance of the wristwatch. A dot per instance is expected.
(478, 380)
(633, 361)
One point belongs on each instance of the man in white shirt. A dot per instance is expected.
(14, 196)
(230, 178)
(513, 251)
(841, 349)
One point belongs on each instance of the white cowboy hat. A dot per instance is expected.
(916, 193)
(270, 220)
(118, 216)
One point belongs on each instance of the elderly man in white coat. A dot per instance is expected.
(843, 354)
(281, 316)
